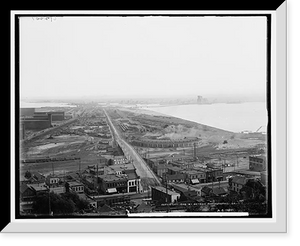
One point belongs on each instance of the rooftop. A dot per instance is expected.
(184, 187)
(38, 187)
(163, 189)
(175, 176)
(74, 183)
(219, 191)
(113, 177)
(240, 180)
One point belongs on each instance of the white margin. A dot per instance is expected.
(279, 159)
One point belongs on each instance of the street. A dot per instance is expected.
(142, 168)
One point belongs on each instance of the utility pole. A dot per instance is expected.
(49, 205)
(80, 168)
(52, 169)
(166, 191)
(97, 181)
(195, 151)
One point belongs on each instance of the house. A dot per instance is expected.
(219, 191)
(27, 194)
(76, 186)
(163, 195)
(190, 195)
(52, 180)
(236, 183)
(206, 191)
(35, 177)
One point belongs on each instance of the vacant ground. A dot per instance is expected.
(215, 145)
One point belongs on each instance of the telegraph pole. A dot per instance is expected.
(52, 169)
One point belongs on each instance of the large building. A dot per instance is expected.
(34, 123)
(156, 143)
(56, 115)
(27, 112)
(257, 163)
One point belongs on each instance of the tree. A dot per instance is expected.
(28, 175)
(110, 162)
(58, 204)
(80, 204)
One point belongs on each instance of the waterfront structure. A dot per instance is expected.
(257, 163)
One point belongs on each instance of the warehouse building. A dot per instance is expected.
(156, 143)
(33, 123)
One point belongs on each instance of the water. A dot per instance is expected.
(235, 117)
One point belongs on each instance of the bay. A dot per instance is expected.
(235, 117)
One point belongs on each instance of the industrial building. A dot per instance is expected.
(33, 123)
(27, 112)
(35, 120)
(56, 115)
(156, 143)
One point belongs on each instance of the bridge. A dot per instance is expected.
(148, 177)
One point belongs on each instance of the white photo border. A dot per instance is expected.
(278, 222)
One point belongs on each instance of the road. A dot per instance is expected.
(148, 177)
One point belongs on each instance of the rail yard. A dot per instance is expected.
(113, 150)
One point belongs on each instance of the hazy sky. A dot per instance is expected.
(145, 56)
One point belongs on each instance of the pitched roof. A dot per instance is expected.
(206, 189)
(24, 187)
(219, 191)
(190, 193)
(239, 180)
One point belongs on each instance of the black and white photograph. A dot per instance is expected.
(124, 115)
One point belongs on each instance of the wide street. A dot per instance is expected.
(142, 169)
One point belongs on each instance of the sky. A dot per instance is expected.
(142, 56)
